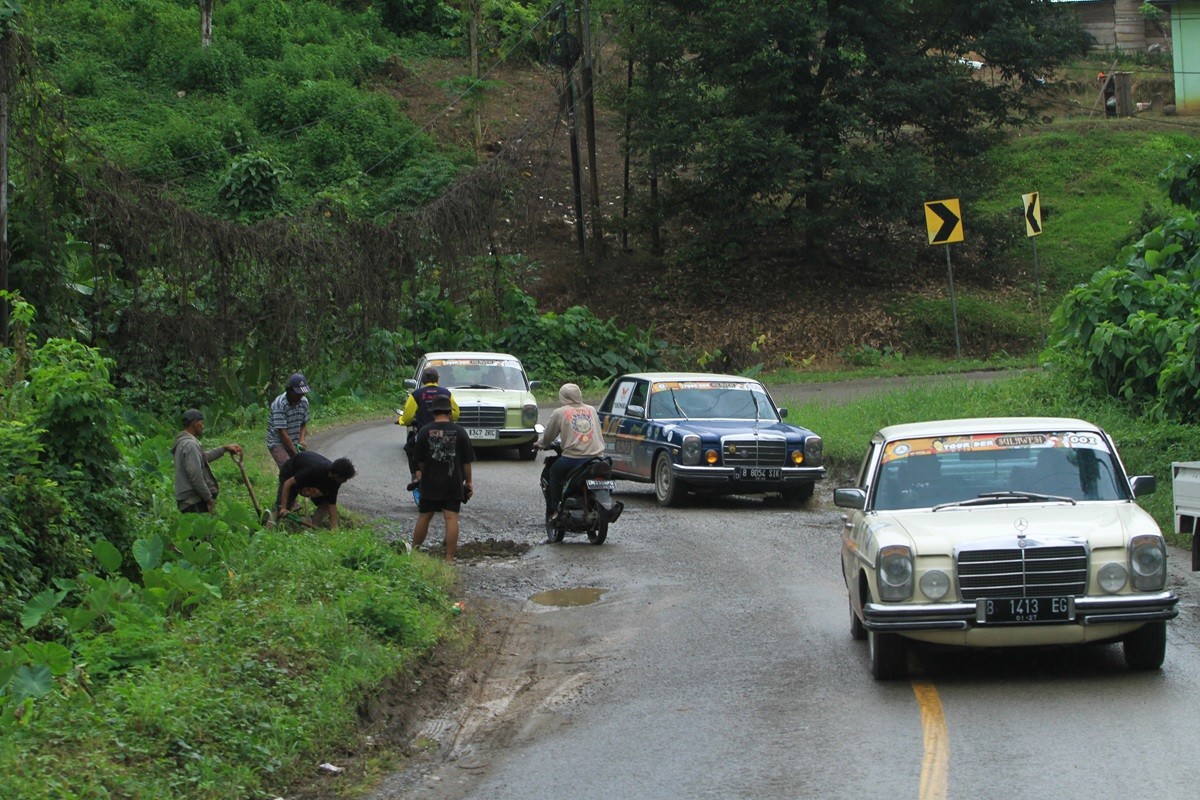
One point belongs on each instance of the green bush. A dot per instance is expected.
(1133, 329)
(181, 146)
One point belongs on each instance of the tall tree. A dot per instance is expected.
(801, 112)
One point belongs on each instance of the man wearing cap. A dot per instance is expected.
(444, 455)
(195, 485)
(287, 423)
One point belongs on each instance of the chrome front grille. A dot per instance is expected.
(754, 452)
(481, 416)
(1023, 572)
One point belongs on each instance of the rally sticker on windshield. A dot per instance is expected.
(679, 385)
(903, 448)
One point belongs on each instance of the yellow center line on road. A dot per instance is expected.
(935, 764)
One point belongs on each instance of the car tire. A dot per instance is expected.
(1146, 647)
(798, 495)
(888, 655)
(526, 452)
(857, 632)
(600, 533)
(667, 488)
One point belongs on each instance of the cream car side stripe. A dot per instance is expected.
(935, 764)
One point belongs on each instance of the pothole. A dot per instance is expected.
(564, 598)
(489, 548)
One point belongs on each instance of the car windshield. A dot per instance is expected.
(479, 374)
(710, 400)
(985, 468)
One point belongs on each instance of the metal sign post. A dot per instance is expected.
(943, 223)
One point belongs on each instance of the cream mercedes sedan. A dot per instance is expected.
(1001, 532)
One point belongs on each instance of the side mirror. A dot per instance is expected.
(535, 385)
(637, 412)
(783, 413)
(410, 383)
(1143, 485)
(850, 498)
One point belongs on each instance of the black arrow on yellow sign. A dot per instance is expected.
(1033, 213)
(943, 221)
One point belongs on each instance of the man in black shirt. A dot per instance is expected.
(444, 455)
(315, 476)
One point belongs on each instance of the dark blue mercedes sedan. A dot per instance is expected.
(688, 431)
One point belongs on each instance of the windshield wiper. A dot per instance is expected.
(995, 498)
(477, 386)
(677, 408)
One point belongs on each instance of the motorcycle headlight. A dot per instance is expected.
(691, 450)
(934, 584)
(1111, 577)
(1148, 563)
(894, 571)
(529, 415)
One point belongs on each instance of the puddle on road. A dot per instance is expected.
(568, 597)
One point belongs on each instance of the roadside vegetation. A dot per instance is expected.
(190, 224)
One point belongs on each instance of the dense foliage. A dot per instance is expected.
(148, 654)
(805, 117)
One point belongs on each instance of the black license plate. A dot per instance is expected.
(757, 473)
(1025, 610)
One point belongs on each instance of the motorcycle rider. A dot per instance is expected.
(577, 425)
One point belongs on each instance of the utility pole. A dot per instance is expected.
(206, 11)
(583, 27)
(6, 49)
(476, 22)
(568, 60)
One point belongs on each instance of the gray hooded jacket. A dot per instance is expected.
(576, 424)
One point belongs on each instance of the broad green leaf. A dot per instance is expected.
(39, 606)
(148, 552)
(27, 681)
(108, 556)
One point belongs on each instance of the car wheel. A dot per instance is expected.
(526, 452)
(799, 495)
(598, 535)
(857, 631)
(554, 533)
(1146, 647)
(667, 488)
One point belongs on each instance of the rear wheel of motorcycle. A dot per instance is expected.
(553, 532)
(667, 488)
(600, 533)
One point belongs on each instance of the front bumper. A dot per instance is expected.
(1109, 609)
(508, 437)
(723, 478)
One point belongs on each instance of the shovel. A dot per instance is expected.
(263, 516)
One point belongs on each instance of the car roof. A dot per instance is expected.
(452, 354)
(687, 376)
(959, 427)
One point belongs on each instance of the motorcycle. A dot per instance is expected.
(587, 504)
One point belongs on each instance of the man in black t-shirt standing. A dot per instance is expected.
(315, 476)
(443, 455)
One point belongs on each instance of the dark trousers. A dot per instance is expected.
(199, 507)
(557, 476)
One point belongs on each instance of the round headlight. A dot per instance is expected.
(935, 584)
(711, 456)
(1112, 578)
(797, 457)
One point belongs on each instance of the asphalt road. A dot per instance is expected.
(718, 663)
